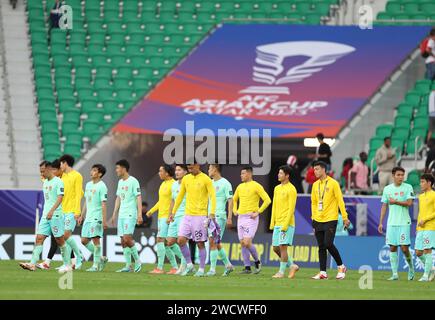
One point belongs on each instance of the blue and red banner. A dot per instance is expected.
(295, 80)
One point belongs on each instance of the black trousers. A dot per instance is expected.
(325, 234)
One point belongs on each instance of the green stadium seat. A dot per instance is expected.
(413, 177)
(384, 130)
(376, 143)
(393, 7)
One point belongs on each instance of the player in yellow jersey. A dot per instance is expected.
(166, 174)
(282, 221)
(425, 239)
(199, 191)
(71, 204)
(326, 199)
(246, 206)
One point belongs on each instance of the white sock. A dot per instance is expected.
(47, 261)
(189, 265)
(200, 270)
(323, 273)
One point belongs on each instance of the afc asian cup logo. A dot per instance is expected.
(269, 68)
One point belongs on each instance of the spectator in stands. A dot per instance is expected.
(430, 60)
(55, 15)
(323, 152)
(430, 156)
(347, 166)
(386, 160)
(360, 174)
(310, 177)
(295, 173)
(147, 221)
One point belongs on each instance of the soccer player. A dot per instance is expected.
(129, 205)
(94, 216)
(246, 207)
(199, 191)
(425, 239)
(174, 221)
(71, 204)
(52, 220)
(282, 221)
(224, 195)
(398, 197)
(326, 199)
(166, 173)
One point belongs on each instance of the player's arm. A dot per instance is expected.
(82, 216)
(292, 205)
(153, 209)
(55, 206)
(266, 200)
(171, 215)
(230, 212)
(78, 186)
(115, 210)
(380, 157)
(406, 203)
(314, 202)
(381, 219)
(341, 205)
(211, 195)
(139, 208)
(272, 218)
(104, 210)
(235, 201)
(180, 196)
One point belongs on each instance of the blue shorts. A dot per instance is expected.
(222, 222)
(92, 229)
(162, 227)
(173, 227)
(70, 222)
(425, 239)
(398, 235)
(55, 226)
(282, 238)
(126, 226)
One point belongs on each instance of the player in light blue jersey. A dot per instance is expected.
(129, 205)
(94, 214)
(52, 220)
(175, 220)
(224, 195)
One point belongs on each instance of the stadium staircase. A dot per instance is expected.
(88, 78)
(19, 133)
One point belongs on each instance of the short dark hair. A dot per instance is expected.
(320, 136)
(101, 169)
(432, 32)
(286, 169)
(43, 163)
(247, 168)
(69, 159)
(320, 164)
(144, 203)
(428, 177)
(169, 169)
(123, 163)
(218, 166)
(387, 138)
(55, 164)
(183, 166)
(395, 169)
(49, 164)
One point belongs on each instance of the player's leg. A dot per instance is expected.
(96, 266)
(172, 244)
(44, 230)
(246, 255)
(128, 237)
(86, 236)
(221, 251)
(277, 250)
(405, 242)
(58, 231)
(122, 226)
(184, 234)
(393, 240)
(200, 234)
(319, 233)
(163, 234)
(428, 265)
(70, 224)
(213, 257)
(53, 248)
(331, 228)
(160, 246)
(252, 226)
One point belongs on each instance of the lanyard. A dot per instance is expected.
(324, 189)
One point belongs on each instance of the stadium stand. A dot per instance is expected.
(407, 12)
(91, 76)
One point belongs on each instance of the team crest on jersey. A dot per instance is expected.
(401, 193)
(50, 188)
(217, 188)
(396, 194)
(93, 191)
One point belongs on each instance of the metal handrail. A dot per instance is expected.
(416, 151)
(371, 172)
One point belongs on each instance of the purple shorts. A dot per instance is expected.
(192, 227)
(246, 227)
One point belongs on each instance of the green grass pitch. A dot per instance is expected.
(16, 283)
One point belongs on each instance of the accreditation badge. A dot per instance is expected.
(320, 206)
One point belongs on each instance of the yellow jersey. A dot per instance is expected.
(247, 198)
(332, 201)
(73, 183)
(426, 210)
(198, 190)
(165, 199)
(283, 206)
